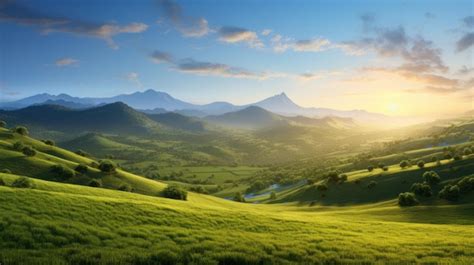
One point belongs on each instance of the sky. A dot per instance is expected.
(401, 58)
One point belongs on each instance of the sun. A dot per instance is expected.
(393, 107)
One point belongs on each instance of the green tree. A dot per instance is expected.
(450, 192)
(404, 164)
(82, 168)
(407, 199)
(175, 192)
(18, 146)
(273, 195)
(420, 164)
(3, 124)
(370, 168)
(22, 182)
(21, 130)
(49, 142)
(238, 197)
(422, 189)
(431, 177)
(467, 151)
(28, 151)
(107, 166)
(62, 172)
(372, 184)
(95, 183)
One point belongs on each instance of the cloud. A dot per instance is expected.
(468, 21)
(465, 70)
(18, 14)
(465, 42)
(368, 20)
(66, 62)
(312, 45)
(236, 35)
(310, 76)
(188, 26)
(266, 32)
(134, 78)
(217, 69)
(161, 57)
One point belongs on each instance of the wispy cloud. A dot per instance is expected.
(188, 26)
(465, 42)
(62, 62)
(15, 13)
(266, 32)
(282, 44)
(134, 78)
(237, 35)
(161, 57)
(465, 70)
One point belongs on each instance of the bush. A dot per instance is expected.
(450, 192)
(198, 189)
(2, 182)
(3, 124)
(420, 164)
(81, 168)
(421, 189)
(22, 182)
(467, 151)
(404, 164)
(62, 172)
(82, 153)
(21, 130)
(342, 178)
(273, 195)
(385, 168)
(431, 177)
(457, 157)
(175, 192)
(107, 166)
(333, 176)
(28, 151)
(125, 187)
(466, 184)
(238, 197)
(372, 184)
(49, 142)
(95, 183)
(322, 187)
(370, 168)
(448, 156)
(18, 146)
(407, 199)
(6, 170)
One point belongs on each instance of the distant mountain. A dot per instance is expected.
(67, 104)
(252, 117)
(153, 102)
(178, 121)
(115, 118)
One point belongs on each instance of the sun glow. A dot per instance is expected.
(393, 107)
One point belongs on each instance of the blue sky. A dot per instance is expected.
(383, 56)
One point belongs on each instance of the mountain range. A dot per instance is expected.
(155, 102)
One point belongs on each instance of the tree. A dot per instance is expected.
(82, 168)
(238, 197)
(273, 195)
(385, 168)
(2, 182)
(467, 151)
(421, 189)
(21, 130)
(457, 157)
(3, 124)
(62, 172)
(22, 182)
(95, 183)
(125, 187)
(372, 184)
(49, 142)
(450, 192)
(407, 199)
(18, 146)
(342, 178)
(28, 151)
(381, 165)
(404, 164)
(82, 153)
(420, 164)
(370, 168)
(107, 166)
(431, 177)
(175, 192)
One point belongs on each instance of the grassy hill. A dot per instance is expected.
(41, 165)
(61, 223)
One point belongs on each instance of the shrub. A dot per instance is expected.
(49, 142)
(175, 192)
(370, 168)
(198, 189)
(95, 183)
(125, 187)
(6, 170)
(62, 172)
(22, 182)
(342, 178)
(385, 168)
(404, 164)
(82, 153)
(18, 146)
(238, 197)
(457, 157)
(407, 199)
(381, 165)
(107, 166)
(2, 182)
(420, 164)
(333, 176)
(3, 124)
(21, 130)
(273, 195)
(431, 177)
(81, 168)
(322, 187)
(448, 156)
(28, 151)
(466, 184)
(467, 151)
(421, 189)
(450, 192)
(372, 184)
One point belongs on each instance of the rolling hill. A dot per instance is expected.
(249, 118)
